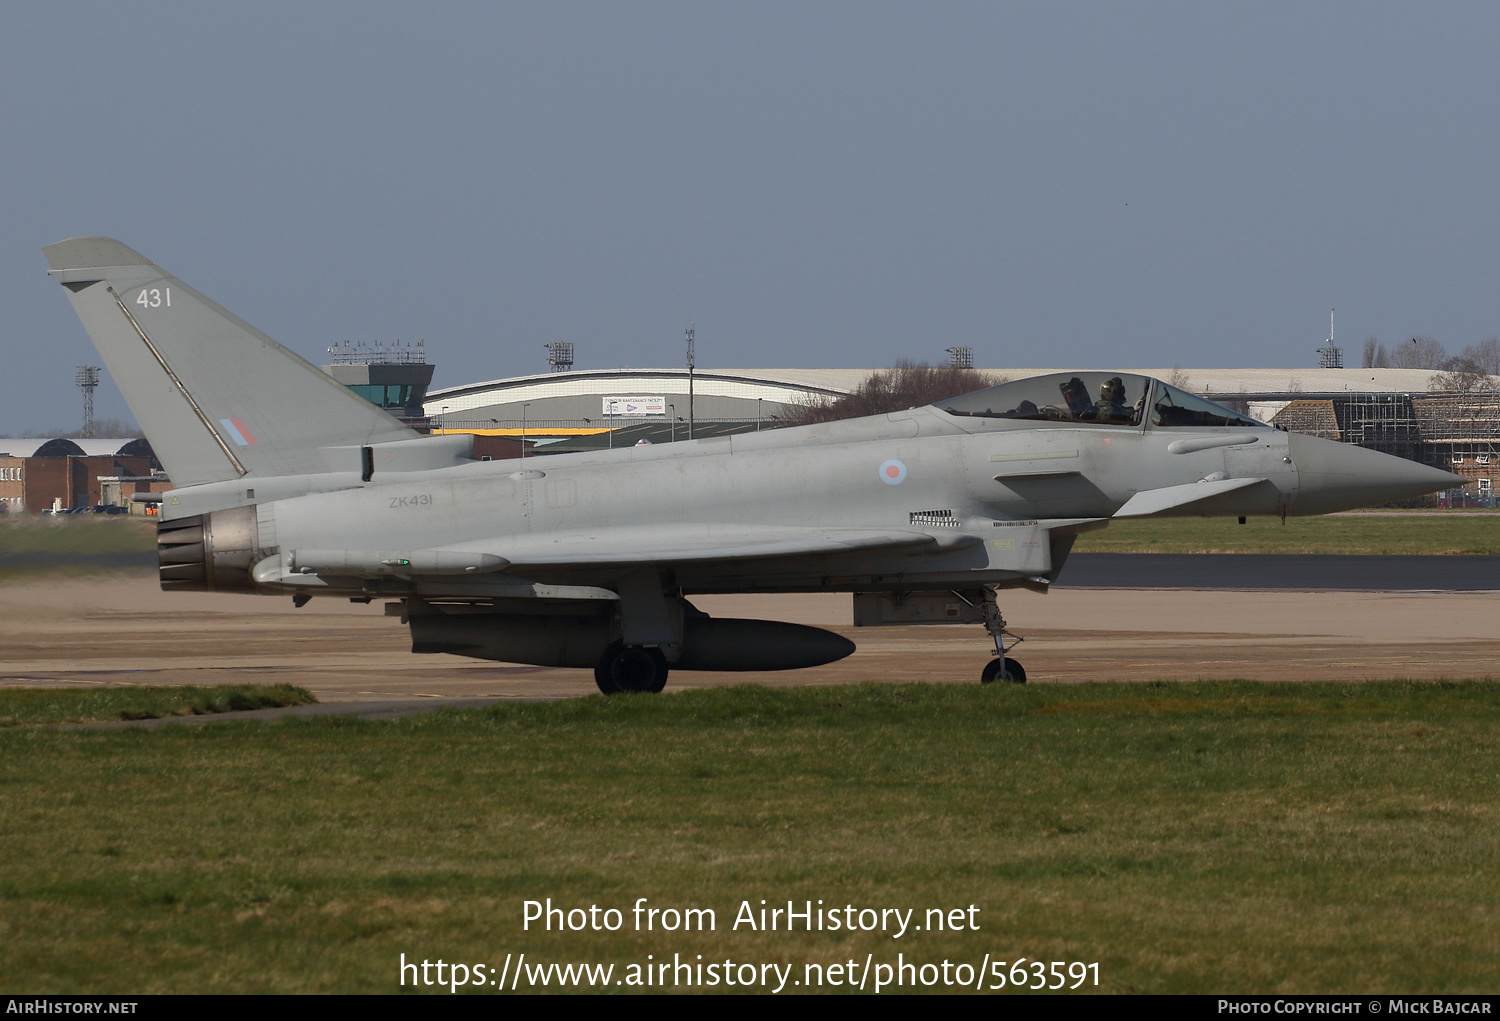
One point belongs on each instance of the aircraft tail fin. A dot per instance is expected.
(217, 398)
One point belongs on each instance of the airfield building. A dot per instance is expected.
(70, 474)
(599, 407)
(394, 377)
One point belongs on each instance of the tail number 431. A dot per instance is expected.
(154, 298)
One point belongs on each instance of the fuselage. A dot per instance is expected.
(997, 499)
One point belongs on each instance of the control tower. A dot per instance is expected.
(391, 376)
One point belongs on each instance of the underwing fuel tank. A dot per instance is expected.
(709, 643)
(734, 644)
(1334, 476)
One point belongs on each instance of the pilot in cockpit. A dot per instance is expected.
(1110, 407)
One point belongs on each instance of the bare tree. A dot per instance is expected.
(1376, 356)
(906, 385)
(1463, 375)
(1419, 353)
(1486, 355)
(1178, 378)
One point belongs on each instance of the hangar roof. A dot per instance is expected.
(786, 386)
(30, 446)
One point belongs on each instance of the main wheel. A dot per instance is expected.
(1014, 673)
(623, 669)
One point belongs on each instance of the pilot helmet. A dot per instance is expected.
(1113, 390)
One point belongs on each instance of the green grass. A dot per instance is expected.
(76, 533)
(1432, 532)
(1224, 837)
(41, 547)
(20, 707)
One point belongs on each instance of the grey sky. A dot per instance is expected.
(817, 185)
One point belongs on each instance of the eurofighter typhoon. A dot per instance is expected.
(288, 483)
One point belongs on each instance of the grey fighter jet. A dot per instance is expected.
(288, 483)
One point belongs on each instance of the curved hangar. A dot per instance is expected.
(592, 400)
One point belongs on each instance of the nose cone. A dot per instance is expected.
(1333, 476)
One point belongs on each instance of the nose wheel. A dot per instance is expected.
(1002, 668)
(1005, 671)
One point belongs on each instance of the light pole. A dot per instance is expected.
(523, 428)
(690, 377)
(443, 419)
(672, 410)
(757, 413)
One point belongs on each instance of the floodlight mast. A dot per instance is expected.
(960, 357)
(559, 355)
(86, 379)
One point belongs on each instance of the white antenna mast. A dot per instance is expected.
(1330, 355)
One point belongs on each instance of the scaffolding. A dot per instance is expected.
(1440, 430)
(1383, 422)
(1460, 426)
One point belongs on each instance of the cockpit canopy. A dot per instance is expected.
(1094, 398)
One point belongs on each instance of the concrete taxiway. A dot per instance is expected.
(119, 628)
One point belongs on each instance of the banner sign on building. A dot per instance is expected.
(635, 407)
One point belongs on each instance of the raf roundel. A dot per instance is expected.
(892, 473)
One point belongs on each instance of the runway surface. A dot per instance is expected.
(121, 628)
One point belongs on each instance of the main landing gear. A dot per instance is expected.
(623, 669)
(1002, 668)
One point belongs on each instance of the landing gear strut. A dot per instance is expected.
(632, 668)
(1002, 668)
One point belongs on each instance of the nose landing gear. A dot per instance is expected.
(1005, 670)
(1002, 668)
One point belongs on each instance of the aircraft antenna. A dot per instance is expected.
(86, 378)
(690, 366)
